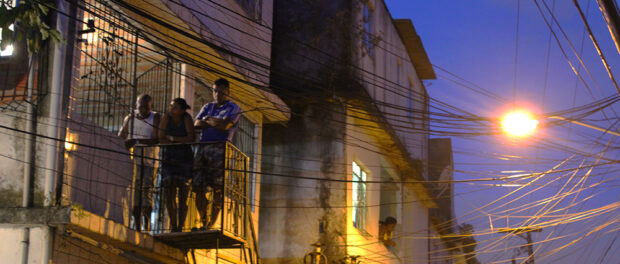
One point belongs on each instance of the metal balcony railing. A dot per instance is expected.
(229, 230)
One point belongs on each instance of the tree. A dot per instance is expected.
(29, 20)
(468, 243)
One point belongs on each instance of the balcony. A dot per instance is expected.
(101, 182)
(229, 230)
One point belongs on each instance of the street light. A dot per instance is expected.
(521, 123)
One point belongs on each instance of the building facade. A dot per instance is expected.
(355, 150)
(332, 142)
(84, 182)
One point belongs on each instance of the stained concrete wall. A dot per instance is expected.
(313, 76)
(12, 157)
(295, 212)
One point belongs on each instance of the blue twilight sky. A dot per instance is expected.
(477, 40)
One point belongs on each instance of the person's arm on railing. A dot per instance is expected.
(129, 143)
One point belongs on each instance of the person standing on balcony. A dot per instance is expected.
(218, 121)
(139, 129)
(177, 160)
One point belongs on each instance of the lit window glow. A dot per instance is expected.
(8, 51)
(519, 123)
(70, 141)
(359, 197)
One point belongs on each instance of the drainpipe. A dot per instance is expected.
(29, 153)
(52, 149)
(55, 102)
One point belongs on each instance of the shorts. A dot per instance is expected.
(143, 177)
(176, 165)
(209, 165)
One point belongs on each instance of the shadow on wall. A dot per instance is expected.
(99, 178)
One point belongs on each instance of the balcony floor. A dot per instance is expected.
(204, 239)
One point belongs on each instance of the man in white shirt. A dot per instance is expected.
(141, 128)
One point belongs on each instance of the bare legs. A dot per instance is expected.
(176, 211)
(208, 208)
(202, 204)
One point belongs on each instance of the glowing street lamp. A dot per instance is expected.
(519, 123)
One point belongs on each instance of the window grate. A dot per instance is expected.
(116, 65)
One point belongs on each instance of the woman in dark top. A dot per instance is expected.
(177, 160)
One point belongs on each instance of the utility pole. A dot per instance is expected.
(520, 231)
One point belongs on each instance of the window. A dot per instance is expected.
(8, 51)
(359, 197)
(367, 23)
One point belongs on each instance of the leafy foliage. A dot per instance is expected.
(29, 23)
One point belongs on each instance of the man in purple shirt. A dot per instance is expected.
(218, 121)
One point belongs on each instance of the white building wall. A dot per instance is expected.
(411, 232)
(415, 231)
(391, 79)
(10, 251)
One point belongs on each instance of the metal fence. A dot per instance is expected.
(161, 82)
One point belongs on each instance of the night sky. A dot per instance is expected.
(477, 41)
